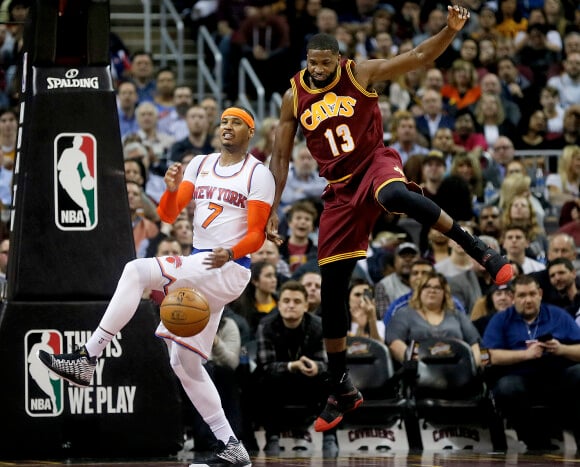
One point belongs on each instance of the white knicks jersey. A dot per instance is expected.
(221, 198)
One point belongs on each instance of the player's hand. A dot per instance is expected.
(173, 176)
(272, 228)
(457, 16)
(217, 258)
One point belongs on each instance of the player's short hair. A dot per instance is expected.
(323, 41)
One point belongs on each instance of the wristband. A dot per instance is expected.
(290, 367)
(230, 254)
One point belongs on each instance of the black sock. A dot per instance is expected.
(336, 366)
(471, 244)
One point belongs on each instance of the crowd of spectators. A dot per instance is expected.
(509, 82)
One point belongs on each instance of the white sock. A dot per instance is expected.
(220, 427)
(98, 341)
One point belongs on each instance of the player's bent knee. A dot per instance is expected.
(395, 197)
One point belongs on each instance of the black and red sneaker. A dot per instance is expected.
(347, 399)
(499, 268)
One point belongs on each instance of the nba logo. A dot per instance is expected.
(75, 191)
(43, 390)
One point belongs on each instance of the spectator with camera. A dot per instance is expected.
(363, 313)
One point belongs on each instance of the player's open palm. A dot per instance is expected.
(457, 17)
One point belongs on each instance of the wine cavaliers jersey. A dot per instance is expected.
(342, 123)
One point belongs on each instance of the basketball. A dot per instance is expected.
(185, 312)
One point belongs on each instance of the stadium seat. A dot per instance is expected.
(372, 371)
(449, 389)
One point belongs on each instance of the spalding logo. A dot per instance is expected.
(59, 83)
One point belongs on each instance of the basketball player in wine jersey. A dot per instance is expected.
(334, 103)
(233, 194)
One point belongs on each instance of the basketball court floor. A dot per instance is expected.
(365, 455)
(451, 459)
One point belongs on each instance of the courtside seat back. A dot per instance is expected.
(372, 372)
(449, 391)
(370, 365)
(446, 369)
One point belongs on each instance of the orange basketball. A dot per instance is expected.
(185, 312)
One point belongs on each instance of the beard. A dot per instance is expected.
(325, 82)
(181, 109)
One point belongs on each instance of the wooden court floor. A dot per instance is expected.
(451, 459)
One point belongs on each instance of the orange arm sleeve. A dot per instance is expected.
(258, 213)
(173, 202)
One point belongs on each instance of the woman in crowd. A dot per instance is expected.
(403, 91)
(550, 102)
(497, 299)
(564, 186)
(363, 312)
(262, 150)
(520, 212)
(509, 20)
(260, 297)
(517, 183)
(491, 118)
(532, 132)
(468, 167)
(462, 89)
(431, 313)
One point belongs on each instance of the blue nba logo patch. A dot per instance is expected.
(75, 182)
(43, 390)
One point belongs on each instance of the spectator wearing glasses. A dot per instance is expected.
(421, 268)
(431, 313)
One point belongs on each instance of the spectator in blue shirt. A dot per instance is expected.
(537, 347)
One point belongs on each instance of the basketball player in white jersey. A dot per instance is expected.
(233, 194)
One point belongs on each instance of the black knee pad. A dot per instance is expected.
(395, 197)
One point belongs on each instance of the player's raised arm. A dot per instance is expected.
(176, 196)
(372, 71)
(280, 161)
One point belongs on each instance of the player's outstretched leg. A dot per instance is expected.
(232, 453)
(76, 367)
(396, 197)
